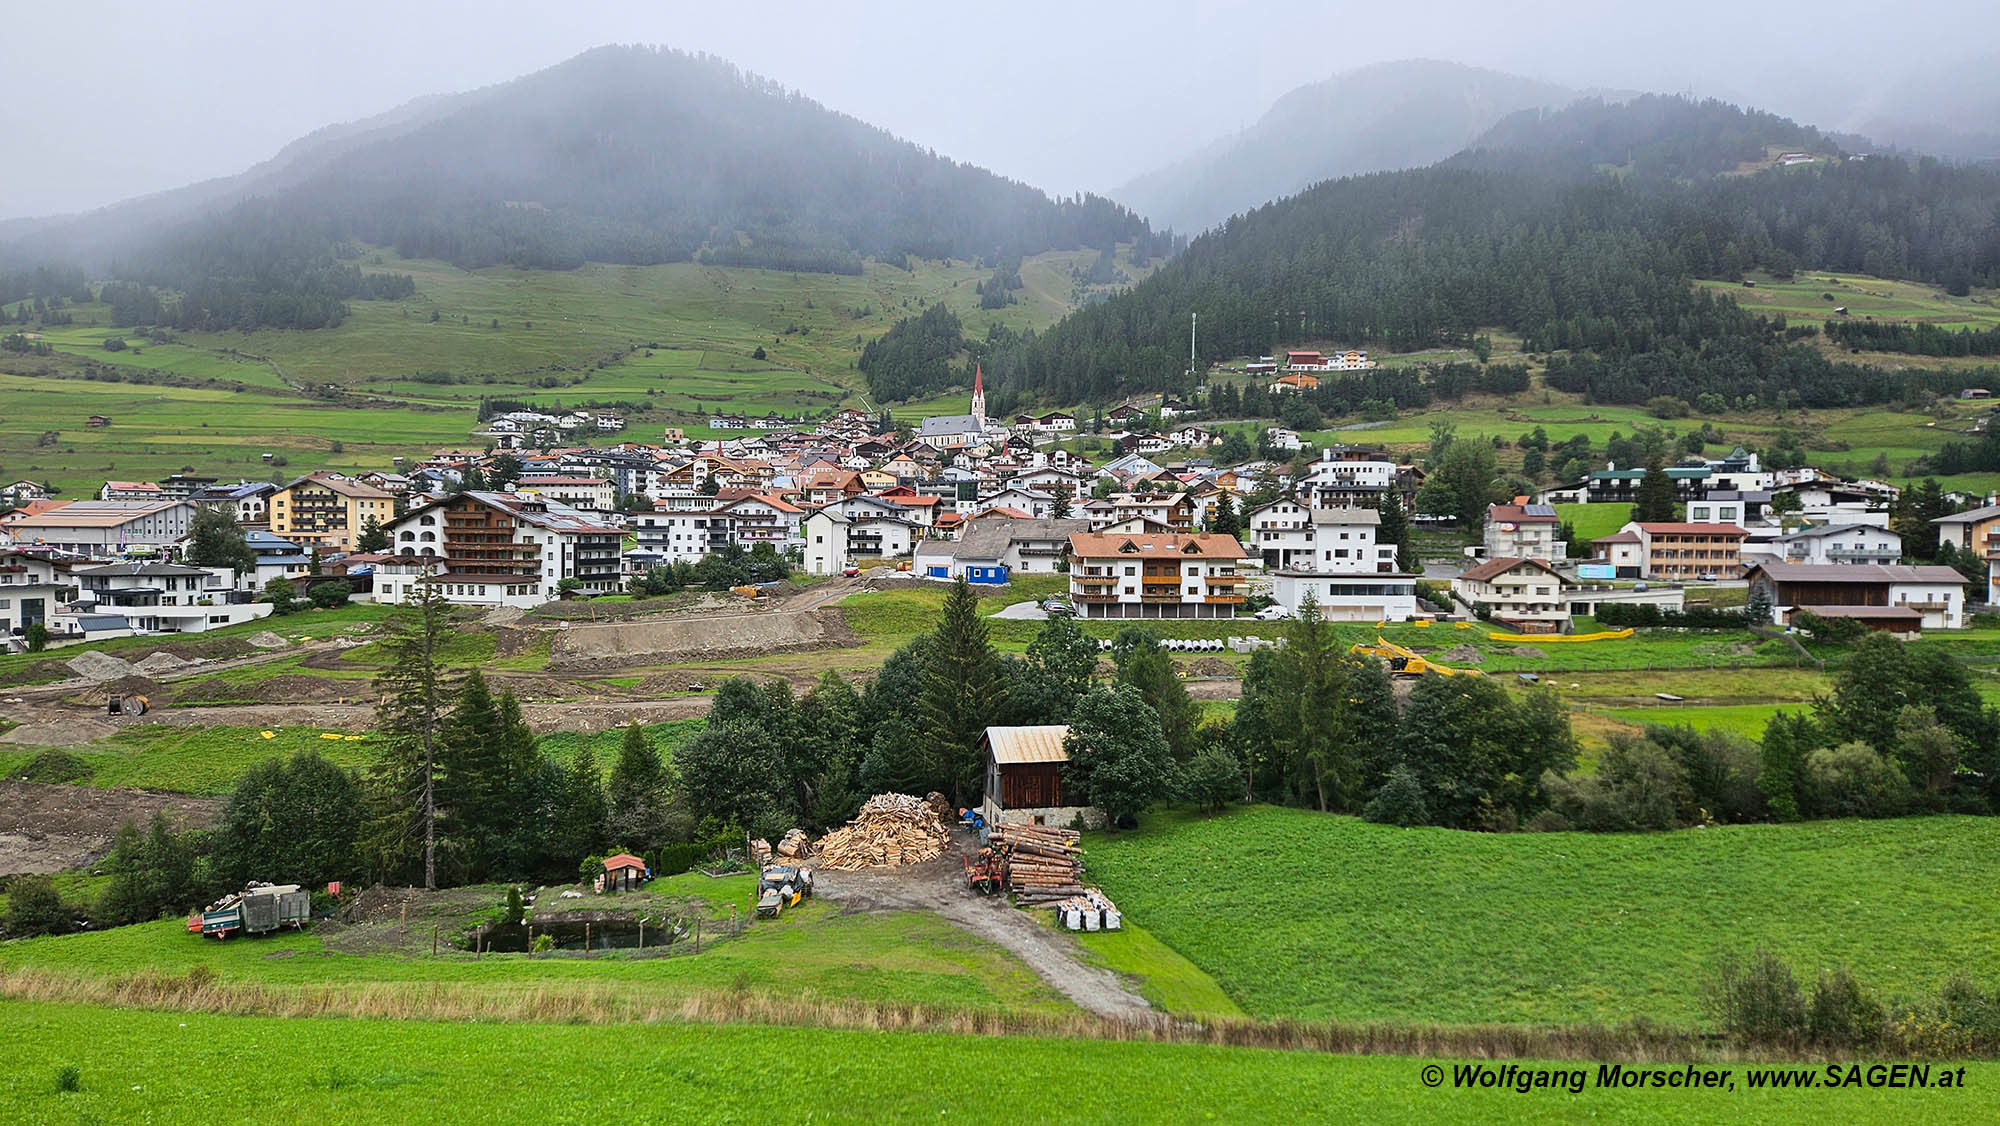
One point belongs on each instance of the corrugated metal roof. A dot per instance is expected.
(1042, 743)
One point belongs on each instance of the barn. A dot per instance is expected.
(1024, 778)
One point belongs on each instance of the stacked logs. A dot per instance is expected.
(1042, 864)
(890, 829)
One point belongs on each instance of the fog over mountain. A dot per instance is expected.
(159, 96)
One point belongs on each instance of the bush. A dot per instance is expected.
(1852, 780)
(1400, 801)
(1842, 1014)
(326, 596)
(1758, 1002)
(34, 907)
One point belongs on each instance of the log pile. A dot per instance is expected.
(794, 845)
(891, 829)
(1042, 864)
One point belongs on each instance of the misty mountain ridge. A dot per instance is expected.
(627, 155)
(1405, 114)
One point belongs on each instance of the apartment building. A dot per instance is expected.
(327, 510)
(484, 548)
(1155, 575)
(1292, 535)
(1682, 551)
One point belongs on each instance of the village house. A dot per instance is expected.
(1523, 594)
(106, 528)
(991, 549)
(1289, 535)
(1150, 575)
(1524, 531)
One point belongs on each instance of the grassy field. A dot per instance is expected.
(678, 341)
(813, 952)
(210, 760)
(1307, 915)
(1812, 296)
(137, 1066)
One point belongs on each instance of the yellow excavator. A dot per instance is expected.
(1404, 662)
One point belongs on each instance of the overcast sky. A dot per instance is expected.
(139, 97)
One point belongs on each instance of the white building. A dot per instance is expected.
(1524, 531)
(1524, 594)
(1290, 535)
(1149, 575)
(164, 598)
(1896, 599)
(1356, 597)
(107, 527)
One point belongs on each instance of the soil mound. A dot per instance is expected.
(93, 665)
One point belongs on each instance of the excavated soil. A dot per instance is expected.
(52, 828)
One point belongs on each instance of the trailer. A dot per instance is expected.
(257, 909)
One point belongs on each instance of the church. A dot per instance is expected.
(958, 431)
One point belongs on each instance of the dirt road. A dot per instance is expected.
(939, 887)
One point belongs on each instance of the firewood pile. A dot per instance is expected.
(794, 845)
(891, 829)
(1043, 864)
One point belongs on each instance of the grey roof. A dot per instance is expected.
(939, 426)
(147, 570)
(990, 539)
(1970, 515)
(1860, 573)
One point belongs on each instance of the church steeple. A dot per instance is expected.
(978, 393)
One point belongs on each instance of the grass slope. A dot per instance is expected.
(183, 1066)
(1301, 914)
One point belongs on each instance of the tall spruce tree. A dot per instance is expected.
(415, 694)
(961, 691)
(636, 799)
(1395, 529)
(1656, 494)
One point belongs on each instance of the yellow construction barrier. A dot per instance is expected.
(1555, 638)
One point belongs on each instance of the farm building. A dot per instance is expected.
(1024, 783)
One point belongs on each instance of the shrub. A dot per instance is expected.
(326, 596)
(1400, 801)
(1852, 780)
(1758, 1002)
(1842, 1014)
(34, 907)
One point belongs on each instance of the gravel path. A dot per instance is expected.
(939, 887)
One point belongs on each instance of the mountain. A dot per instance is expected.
(623, 154)
(1580, 231)
(1389, 115)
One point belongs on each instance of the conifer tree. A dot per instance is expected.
(415, 693)
(961, 691)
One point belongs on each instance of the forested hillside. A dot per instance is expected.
(623, 155)
(1518, 234)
